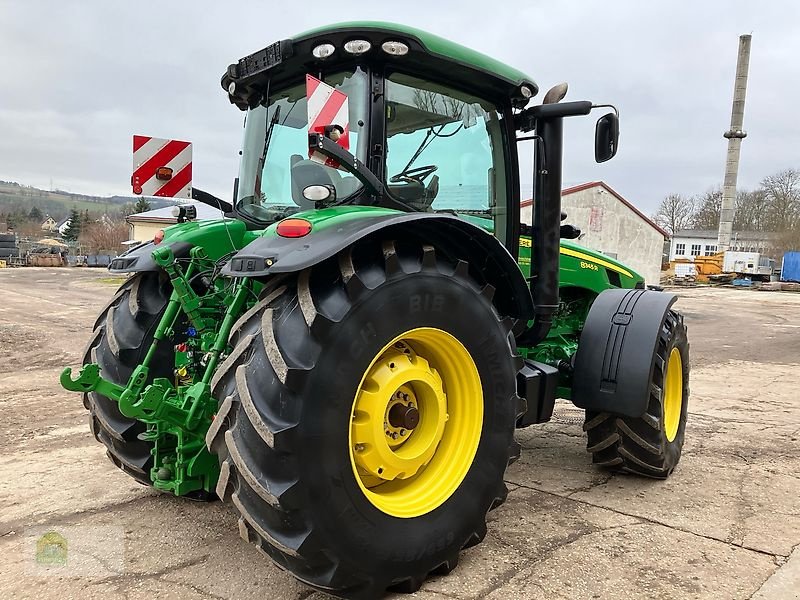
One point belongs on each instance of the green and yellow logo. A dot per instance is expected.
(51, 549)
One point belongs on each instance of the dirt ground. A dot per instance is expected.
(725, 525)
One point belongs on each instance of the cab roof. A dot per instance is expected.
(429, 54)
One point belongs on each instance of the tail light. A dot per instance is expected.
(293, 228)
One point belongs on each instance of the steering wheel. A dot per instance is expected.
(415, 175)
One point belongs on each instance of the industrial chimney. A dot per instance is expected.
(735, 135)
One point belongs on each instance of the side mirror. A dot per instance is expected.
(606, 137)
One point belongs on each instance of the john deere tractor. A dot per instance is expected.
(345, 357)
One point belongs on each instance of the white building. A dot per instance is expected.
(688, 243)
(63, 226)
(144, 225)
(612, 225)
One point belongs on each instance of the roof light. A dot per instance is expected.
(526, 91)
(357, 46)
(323, 50)
(395, 48)
(232, 88)
(293, 228)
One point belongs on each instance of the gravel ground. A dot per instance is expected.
(723, 526)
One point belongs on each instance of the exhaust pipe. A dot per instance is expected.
(546, 231)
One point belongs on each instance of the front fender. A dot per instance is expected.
(217, 238)
(334, 229)
(617, 351)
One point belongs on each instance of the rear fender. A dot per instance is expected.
(336, 229)
(617, 351)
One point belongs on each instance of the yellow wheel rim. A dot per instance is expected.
(673, 394)
(416, 422)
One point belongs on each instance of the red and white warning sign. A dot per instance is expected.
(161, 167)
(328, 114)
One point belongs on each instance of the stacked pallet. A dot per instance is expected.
(8, 246)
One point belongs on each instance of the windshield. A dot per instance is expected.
(275, 168)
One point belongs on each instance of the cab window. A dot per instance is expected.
(444, 151)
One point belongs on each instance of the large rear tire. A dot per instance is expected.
(650, 445)
(309, 389)
(122, 335)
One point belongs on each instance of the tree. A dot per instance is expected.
(103, 237)
(782, 199)
(74, 226)
(750, 211)
(142, 205)
(36, 215)
(674, 213)
(709, 206)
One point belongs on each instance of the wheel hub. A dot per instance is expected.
(395, 435)
(403, 416)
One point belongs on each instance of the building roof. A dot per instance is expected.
(701, 234)
(590, 184)
(164, 215)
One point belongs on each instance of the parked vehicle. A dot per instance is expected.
(345, 361)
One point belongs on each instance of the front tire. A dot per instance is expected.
(650, 445)
(293, 407)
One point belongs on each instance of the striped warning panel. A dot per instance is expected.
(161, 167)
(327, 107)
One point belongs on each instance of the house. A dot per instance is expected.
(687, 243)
(612, 225)
(62, 226)
(49, 224)
(144, 225)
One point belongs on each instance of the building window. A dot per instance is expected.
(695, 249)
(680, 249)
(710, 250)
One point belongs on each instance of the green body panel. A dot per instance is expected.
(434, 44)
(217, 238)
(583, 274)
(582, 268)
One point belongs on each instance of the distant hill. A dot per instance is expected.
(58, 204)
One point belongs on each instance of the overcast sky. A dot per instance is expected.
(79, 78)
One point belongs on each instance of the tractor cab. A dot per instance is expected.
(430, 126)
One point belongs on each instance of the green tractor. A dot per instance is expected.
(345, 357)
